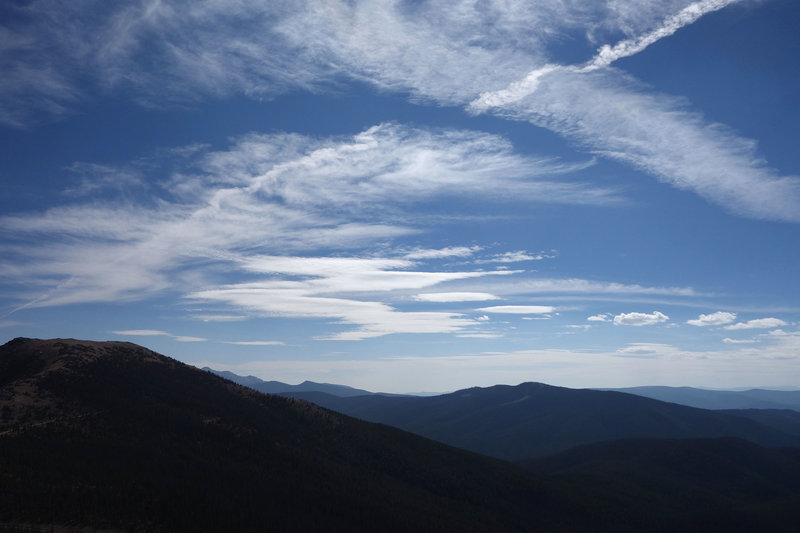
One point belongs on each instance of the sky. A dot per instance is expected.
(409, 195)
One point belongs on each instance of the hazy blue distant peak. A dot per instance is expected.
(721, 399)
(277, 387)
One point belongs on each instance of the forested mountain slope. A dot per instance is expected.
(110, 435)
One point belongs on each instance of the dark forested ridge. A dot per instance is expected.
(534, 419)
(112, 436)
(720, 484)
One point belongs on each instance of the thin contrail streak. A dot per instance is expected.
(605, 56)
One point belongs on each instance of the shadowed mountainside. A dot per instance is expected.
(742, 486)
(113, 436)
(533, 419)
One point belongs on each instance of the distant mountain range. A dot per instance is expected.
(276, 387)
(533, 419)
(720, 399)
(528, 420)
(112, 436)
(689, 396)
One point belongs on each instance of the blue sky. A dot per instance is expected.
(409, 195)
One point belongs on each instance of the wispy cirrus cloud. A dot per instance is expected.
(268, 193)
(575, 286)
(656, 134)
(450, 53)
(606, 55)
(519, 309)
(479, 335)
(219, 318)
(454, 296)
(280, 193)
(157, 333)
(518, 256)
(256, 343)
(329, 289)
(439, 253)
(660, 136)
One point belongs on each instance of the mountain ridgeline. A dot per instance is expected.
(112, 436)
(277, 387)
(533, 419)
(720, 399)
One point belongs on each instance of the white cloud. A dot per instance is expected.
(173, 51)
(758, 323)
(267, 193)
(448, 52)
(141, 332)
(518, 256)
(605, 317)
(341, 289)
(656, 134)
(728, 340)
(772, 363)
(519, 309)
(390, 161)
(579, 286)
(606, 55)
(181, 338)
(157, 333)
(713, 319)
(450, 251)
(12, 323)
(640, 319)
(455, 296)
(329, 275)
(95, 178)
(479, 335)
(220, 318)
(688, 15)
(257, 343)
(659, 136)
(647, 349)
